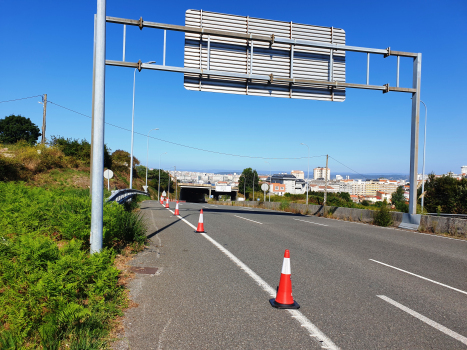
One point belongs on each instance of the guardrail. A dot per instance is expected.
(122, 196)
(457, 216)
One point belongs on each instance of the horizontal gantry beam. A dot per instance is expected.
(269, 78)
(272, 38)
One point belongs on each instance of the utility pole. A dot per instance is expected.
(168, 190)
(175, 176)
(44, 102)
(326, 181)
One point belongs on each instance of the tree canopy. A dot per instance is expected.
(398, 199)
(246, 180)
(15, 128)
(445, 194)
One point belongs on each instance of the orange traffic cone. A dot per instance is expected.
(162, 200)
(176, 210)
(200, 222)
(167, 202)
(284, 299)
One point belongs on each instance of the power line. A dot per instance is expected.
(348, 167)
(182, 145)
(24, 98)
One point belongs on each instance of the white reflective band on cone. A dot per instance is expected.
(201, 218)
(286, 266)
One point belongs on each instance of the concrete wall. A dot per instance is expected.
(433, 224)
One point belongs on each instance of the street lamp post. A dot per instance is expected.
(147, 157)
(270, 181)
(159, 183)
(253, 186)
(424, 149)
(308, 174)
(133, 126)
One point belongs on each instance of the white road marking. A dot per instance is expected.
(422, 318)
(311, 222)
(248, 219)
(424, 278)
(314, 331)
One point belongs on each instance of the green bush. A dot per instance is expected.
(52, 292)
(383, 216)
(284, 205)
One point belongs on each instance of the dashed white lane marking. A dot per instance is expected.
(311, 222)
(248, 219)
(428, 321)
(314, 331)
(424, 278)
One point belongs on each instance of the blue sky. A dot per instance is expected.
(47, 48)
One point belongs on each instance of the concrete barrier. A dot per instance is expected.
(454, 227)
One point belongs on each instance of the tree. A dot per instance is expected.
(154, 183)
(15, 128)
(121, 160)
(446, 195)
(398, 199)
(246, 180)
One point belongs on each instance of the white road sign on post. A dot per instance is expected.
(253, 57)
(108, 174)
(264, 187)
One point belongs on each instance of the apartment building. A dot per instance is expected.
(298, 174)
(321, 173)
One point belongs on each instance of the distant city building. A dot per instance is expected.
(298, 174)
(321, 173)
(339, 177)
(292, 184)
(464, 170)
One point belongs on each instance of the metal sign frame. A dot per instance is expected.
(100, 62)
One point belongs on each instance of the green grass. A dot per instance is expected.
(53, 294)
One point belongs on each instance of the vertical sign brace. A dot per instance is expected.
(124, 41)
(417, 72)
(209, 51)
(398, 69)
(200, 48)
(331, 64)
(325, 183)
(97, 207)
(368, 68)
(292, 48)
(93, 89)
(44, 113)
(248, 69)
(165, 41)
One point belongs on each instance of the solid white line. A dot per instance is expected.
(311, 222)
(249, 219)
(422, 318)
(297, 315)
(424, 278)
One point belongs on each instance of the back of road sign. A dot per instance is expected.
(258, 57)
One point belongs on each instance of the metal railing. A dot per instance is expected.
(122, 196)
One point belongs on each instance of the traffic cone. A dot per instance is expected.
(162, 200)
(167, 202)
(176, 210)
(200, 222)
(284, 299)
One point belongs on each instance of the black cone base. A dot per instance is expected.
(284, 306)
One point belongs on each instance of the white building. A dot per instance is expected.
(339, 177)
(464, 169)
(321, 173)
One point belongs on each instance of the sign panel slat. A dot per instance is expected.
(234, 55)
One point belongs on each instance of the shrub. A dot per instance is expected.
(383, 217)
(284, 205)
(52, 292)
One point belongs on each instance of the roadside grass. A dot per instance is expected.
(53, 294)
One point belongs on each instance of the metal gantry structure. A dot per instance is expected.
(99, 91)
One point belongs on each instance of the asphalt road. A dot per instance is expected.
(359, 286)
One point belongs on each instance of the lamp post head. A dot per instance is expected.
(151, 62)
